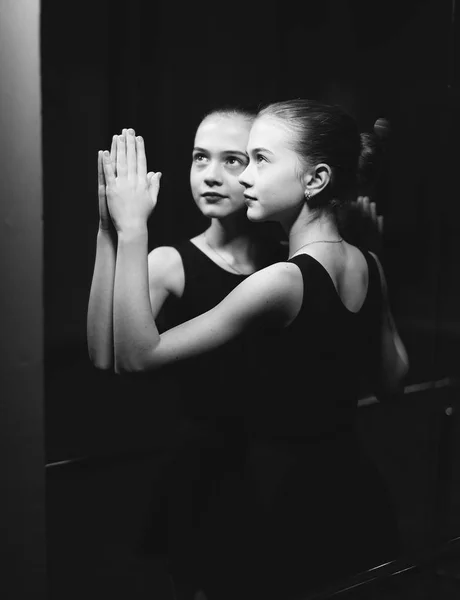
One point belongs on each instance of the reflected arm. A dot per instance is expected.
(100, 306)
(394, 359)
(99, 326)
(165, 271)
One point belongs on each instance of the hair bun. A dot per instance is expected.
(373, 147)
(382, 128)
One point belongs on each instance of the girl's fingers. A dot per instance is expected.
(113, 151)
(365, 205)
(100, 173)
(109, 173)
(373, 211)
(121, 165)
(131, 159)
(154, 185)
(141, 158)
(380, 223)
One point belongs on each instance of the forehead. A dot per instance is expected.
(221, 133)
(271, 133)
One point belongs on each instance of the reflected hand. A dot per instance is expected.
(105, 222)
(131, 191)
(371, 224)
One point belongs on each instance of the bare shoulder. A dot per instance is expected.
(276, 289)
(166, 269)
(282, 272)
(280, 276)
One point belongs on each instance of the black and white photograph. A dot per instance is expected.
(230, 300)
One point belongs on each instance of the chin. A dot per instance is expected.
(211, 210)
(254, 215)
(220, 212)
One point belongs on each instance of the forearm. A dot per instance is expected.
(100, 306)
(135, 331)
(395, 361)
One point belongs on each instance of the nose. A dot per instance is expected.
(244, 178)
(213, 175)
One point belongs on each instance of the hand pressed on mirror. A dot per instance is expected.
(131, 191)
(362, 226)
(99, 325)
(122, 179)
(371, 225)
(105, 222)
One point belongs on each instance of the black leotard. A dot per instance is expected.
(308, 505)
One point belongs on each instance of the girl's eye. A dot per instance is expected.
(260, 158)
(199, 157)
(235, 161)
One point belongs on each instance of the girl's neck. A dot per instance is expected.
(229, 234)
(323, 228)
(234, 247)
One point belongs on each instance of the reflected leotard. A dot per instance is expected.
(308, 505)
(211, 440)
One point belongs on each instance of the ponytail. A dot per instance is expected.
(370, 163)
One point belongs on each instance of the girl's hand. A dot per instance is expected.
(131, 192)
(369, 212)
(362, 226)
(105, 222)
(372, 225)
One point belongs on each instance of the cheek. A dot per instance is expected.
(237, 189)
(281, 189)
(194, 182)
(195, 176)
(292, 184)
(273, 182)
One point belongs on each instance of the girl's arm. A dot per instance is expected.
(165, 276)
(394, 358)
(99, 324)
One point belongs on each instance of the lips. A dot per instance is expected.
(250, 197)
(212, 196)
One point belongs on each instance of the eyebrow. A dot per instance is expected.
(198, 149)
(256, 150)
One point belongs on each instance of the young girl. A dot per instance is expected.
(317, 333)
(186, 280)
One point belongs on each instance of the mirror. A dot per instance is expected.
(159, 68)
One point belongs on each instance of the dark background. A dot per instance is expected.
(157, 67)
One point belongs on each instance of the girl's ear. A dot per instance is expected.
(317, 179)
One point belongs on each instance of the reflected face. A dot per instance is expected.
(273, 184)
(219, 158)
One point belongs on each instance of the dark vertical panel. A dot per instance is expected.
(22, 514)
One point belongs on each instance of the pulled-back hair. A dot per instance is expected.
(324, 133)
(232, 110)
